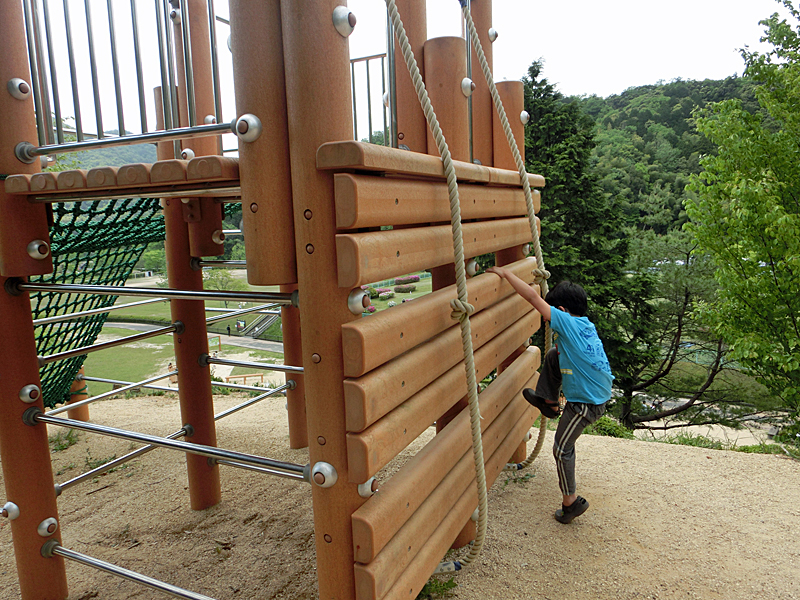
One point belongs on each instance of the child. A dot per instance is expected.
(579, 364)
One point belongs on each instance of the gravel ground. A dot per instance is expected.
(668, 522)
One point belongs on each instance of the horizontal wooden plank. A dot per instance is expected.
(213, 168)
(44, 182)
(368, 201)
(377, 521)
(373, 448)
(168, 171)
(373, 580)
(133, 177)
(376, 255)
(372, 341)
(18, 184)
(373, 395)
(351, 155)
(74, 179)
(414, 576)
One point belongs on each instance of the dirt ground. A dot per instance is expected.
(668, 522)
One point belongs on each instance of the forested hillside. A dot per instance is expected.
(647, 144)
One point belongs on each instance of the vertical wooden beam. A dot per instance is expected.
(24, 451)
(412, 128)
(513, 96)
(318, 100)
(264, 163)
(445, 68)
(293, 355)
(482, 106)
(79, 390)
(204, 215)
(194, 381)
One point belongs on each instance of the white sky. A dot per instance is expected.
(595, 46)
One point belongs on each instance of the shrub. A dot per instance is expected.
(405, 289)
(386, 295)
(391, 303)
(406, 279)
(370, 309)
(373, 293)
(609, 427)
(382, 290)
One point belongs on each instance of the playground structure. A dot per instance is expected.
(323, 215)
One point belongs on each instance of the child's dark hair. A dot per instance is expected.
(569, 295)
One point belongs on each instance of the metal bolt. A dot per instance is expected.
(248, 128)
(524, 117)
(321, 440)
(467, 86)
(327, 538)
(308, 214)
(472, 267)
(254, 207)
(401, 136)
(187, 154)
(209, 119)
(218, 237)
(315, 358)
(357, 301)
(492, 34)
(324, 474)
(344, 20)
(175, 15)
(47, 527)
(310, 248)
(18, 88)
(30, 393)
(38, 249)
(368, 488)
(10, 511)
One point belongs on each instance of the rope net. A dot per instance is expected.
(92, 243)
(95, 243)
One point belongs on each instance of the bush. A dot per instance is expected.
(386, 295)
(370, 309)
(391, 303)
(405, 289)
(609, 427)
(373, 293)
(406, 279)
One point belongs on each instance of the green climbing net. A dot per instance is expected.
(95, 243)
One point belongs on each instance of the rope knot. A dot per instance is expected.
(540, 275)
(460, 310)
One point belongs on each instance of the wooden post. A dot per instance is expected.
(482, 105)
(445, 68)
(27, 474)
(412, 128)
(263, 163)
(194, 381)
(293, 355)
(79, 390)
(318, 100)
(513, 96)
(204, 215)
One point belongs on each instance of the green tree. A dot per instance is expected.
(747, 215)
(583, 237)
(223, 279)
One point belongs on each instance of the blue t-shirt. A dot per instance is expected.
(585, 372)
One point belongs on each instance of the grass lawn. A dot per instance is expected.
(423, 288)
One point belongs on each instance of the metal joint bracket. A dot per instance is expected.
(12, 286)
(194, 263)
(23, 152)
(180, 328)
(324, 474)
(307, 472)
(202, 360)
(368, 488)
(291, 383)
(188, 430)
(48, 547)
(296, 298)
(29, 416)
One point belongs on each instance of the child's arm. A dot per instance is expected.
(524, 290)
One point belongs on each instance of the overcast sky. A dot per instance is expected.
(594, 46)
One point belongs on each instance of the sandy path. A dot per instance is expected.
(665, 521)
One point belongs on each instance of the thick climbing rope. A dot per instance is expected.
(461, 308)
(541, 274)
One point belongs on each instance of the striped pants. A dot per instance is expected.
(575, 418)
